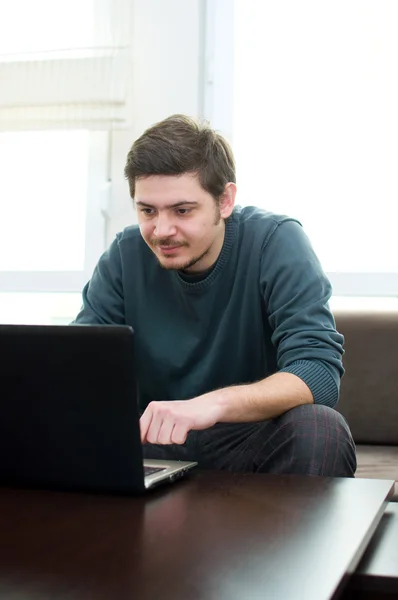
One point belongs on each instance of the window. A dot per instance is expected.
(53, 194)
(62, 92)
(314, 124)
(52, 190)
(43, 189)
(39, 308)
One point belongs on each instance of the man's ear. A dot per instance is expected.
(227, 200)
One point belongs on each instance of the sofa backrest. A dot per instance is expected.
(369, 388)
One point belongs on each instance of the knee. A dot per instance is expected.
(314, 416)
(321, 438)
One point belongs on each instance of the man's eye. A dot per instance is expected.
(183, 211)
(147, 211)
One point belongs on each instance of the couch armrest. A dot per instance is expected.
(369, 388)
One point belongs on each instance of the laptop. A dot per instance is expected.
(69, 415)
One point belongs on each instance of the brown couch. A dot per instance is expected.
(369, 390)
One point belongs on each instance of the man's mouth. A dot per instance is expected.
(168, 249)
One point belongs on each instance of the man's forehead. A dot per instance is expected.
(164, 191)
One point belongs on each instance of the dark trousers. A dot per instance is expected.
(306, 440)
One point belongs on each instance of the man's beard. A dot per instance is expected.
(190, 263)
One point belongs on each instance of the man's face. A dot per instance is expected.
(180, 221)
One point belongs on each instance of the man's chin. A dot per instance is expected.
(175, 264)
(171, 263)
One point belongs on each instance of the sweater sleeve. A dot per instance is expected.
(103, 301)
(296, 293)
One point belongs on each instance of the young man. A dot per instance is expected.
(238, 359)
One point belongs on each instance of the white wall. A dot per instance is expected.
(167, 61)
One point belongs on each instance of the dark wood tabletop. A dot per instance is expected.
(377, 572)
(212, 536)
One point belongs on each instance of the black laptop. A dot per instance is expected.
(69, 416)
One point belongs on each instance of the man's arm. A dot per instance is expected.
(260, 401)
(296, 295)
(169, 422)
(103, 301)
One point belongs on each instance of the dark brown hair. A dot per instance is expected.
(180, 145)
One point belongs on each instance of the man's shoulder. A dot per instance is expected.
(253, 219)
(130, 246)
(130, 234)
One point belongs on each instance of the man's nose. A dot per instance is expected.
(164, 227)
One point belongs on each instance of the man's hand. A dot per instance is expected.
(169, 422)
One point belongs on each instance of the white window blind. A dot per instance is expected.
(314, 94)
(64, 64)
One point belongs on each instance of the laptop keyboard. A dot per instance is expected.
(152, 470)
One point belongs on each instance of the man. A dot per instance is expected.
(237, 356)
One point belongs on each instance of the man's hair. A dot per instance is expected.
(179, 145)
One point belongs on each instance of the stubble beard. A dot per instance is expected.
(190, 263)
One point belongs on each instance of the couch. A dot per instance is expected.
(369, 390)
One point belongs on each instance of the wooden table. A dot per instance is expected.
(213, 536)
(377, 573)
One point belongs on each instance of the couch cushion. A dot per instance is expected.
(378, 462)
(369, 388)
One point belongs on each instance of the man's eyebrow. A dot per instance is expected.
(174, 205)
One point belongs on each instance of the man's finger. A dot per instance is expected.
(152, 433)
(145, 423)
(165, 431)
(179, 434)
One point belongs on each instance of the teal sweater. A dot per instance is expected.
(263, 308)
